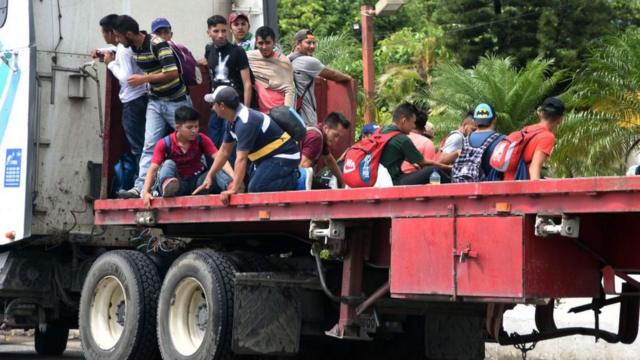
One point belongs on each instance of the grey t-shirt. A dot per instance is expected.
(453, 143)
(305, 70)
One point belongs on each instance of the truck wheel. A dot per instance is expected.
(53, 341)
(118, 306)
(195, 309)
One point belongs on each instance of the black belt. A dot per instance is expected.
(178, 99)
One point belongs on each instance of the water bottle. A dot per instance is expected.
(435, 178)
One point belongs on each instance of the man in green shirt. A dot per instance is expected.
(401, 148)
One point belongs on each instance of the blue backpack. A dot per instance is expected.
(125, 173)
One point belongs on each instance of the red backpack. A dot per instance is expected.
(363, 158)
(507, 154)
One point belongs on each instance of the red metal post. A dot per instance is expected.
(352, 269)
(368, 67)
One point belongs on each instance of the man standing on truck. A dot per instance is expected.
(239, 23)
(177, 160)
(539, 141)
(161, 27)
(155, 57)
(273, 72)
(317, 143)
(134, 98)
(273, 153)
(305, 70)
(228, 66)
(401, 148)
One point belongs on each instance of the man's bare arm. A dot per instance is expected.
(335, 75)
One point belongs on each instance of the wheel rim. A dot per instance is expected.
(108, 312)
(188, 316)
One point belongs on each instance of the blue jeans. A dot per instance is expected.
(216, 129)
(160, 121)
(274, 174)
(188, 185)
(133, 120)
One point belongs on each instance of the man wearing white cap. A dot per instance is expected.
(272, 151)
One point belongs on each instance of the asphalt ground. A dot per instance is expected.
(22, 348)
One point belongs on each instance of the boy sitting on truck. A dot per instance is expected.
(178, 161)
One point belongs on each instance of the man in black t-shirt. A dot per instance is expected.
(228, 66)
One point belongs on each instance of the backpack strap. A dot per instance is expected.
(307, 88)
(318, 131)
(293, 57)
(167, 146)
(489, 140)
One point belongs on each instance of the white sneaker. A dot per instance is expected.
(305, 179)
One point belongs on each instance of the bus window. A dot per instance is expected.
(3, 12)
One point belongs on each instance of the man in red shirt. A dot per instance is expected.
(318, 140)
(178, 160)
(540, 146)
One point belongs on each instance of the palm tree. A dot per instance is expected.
(514, 93)
(407, 59)
(600, 134)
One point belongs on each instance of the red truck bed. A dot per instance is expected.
(465, 240)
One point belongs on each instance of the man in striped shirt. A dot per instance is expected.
(167, 91)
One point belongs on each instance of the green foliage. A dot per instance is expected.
(525, 29)
(341, 52)
(606, 95)
(407, 58)
(324, 18)
(515, 94)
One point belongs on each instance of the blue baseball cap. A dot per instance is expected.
(483, 114)
(159, 23)
(369, 129)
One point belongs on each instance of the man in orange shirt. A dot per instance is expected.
(541, 139)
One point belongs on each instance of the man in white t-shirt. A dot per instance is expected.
(119, 60)
(305, 70)
(452, 145)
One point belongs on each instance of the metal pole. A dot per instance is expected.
(368, 67)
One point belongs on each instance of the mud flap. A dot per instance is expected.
(268, 312)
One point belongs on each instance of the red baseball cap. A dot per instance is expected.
(236, 15)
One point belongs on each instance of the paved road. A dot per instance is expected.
(19, 348)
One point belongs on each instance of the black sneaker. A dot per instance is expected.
(132, 193)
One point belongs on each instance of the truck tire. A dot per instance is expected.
(195, 309)
(118, 307)
(53, 341)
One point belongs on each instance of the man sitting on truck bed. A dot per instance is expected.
(177, 161)
(401, 148)
(318, 140)
(274, 154)
(167, 90)
(539, 141)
